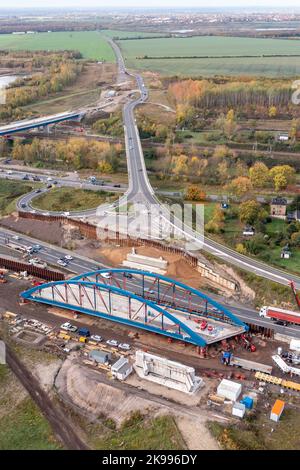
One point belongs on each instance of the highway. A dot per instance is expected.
(140, 191)
(26, 204)
(81, 264)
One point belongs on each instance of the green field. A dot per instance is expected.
(25, 428)
(214, 48)
(261, 433)
(10, 191)
(64, 199)
(128, 34)
(138, 432)
(91, 44)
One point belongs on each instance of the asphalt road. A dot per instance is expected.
(81, 264)
(25, 203)
(140, 191)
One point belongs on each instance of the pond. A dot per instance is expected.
(6, 80)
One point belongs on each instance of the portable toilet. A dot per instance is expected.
(277, 410)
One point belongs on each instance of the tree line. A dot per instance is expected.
(58, 71)
(75, 153)
(246, 94)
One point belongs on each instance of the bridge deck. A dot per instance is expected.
(122, 308)
(38, 122)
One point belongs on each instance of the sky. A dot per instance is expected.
(251, 4)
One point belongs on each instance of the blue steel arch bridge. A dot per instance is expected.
(144, 300)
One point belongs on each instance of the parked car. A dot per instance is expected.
(124, 346)
(68, 327)
(96, 338)
(112, 342)
(84, 332)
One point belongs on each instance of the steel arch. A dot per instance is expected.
(233, 318)
(190, 335)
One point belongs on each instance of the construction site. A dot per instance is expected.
(148, 340)
(134, 337)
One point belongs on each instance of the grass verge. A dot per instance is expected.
(10, 191)
(64, 199)
(260, 433)
(139, 432)
(24, 428)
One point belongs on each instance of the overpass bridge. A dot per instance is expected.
(25, 125)
(143, 300)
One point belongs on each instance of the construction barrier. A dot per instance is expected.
(92, 232)
(277, 381)
(13, 265)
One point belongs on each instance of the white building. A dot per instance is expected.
(121, 369)
(238, 409)
(229, 390)
(168, 373)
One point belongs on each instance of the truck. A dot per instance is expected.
(250, 365)
(229, 359)
(280, 315)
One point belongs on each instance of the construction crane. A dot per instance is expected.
(292, 284)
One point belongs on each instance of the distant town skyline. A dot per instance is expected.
(159, 4)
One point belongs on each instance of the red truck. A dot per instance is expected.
(280, 315)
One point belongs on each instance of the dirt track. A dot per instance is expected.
(61, 426)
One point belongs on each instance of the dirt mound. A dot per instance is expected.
(177, 266)
(84, 388)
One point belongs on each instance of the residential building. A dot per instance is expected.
(293, 216)
(286, 252)
(248, 231)
(278, 207)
